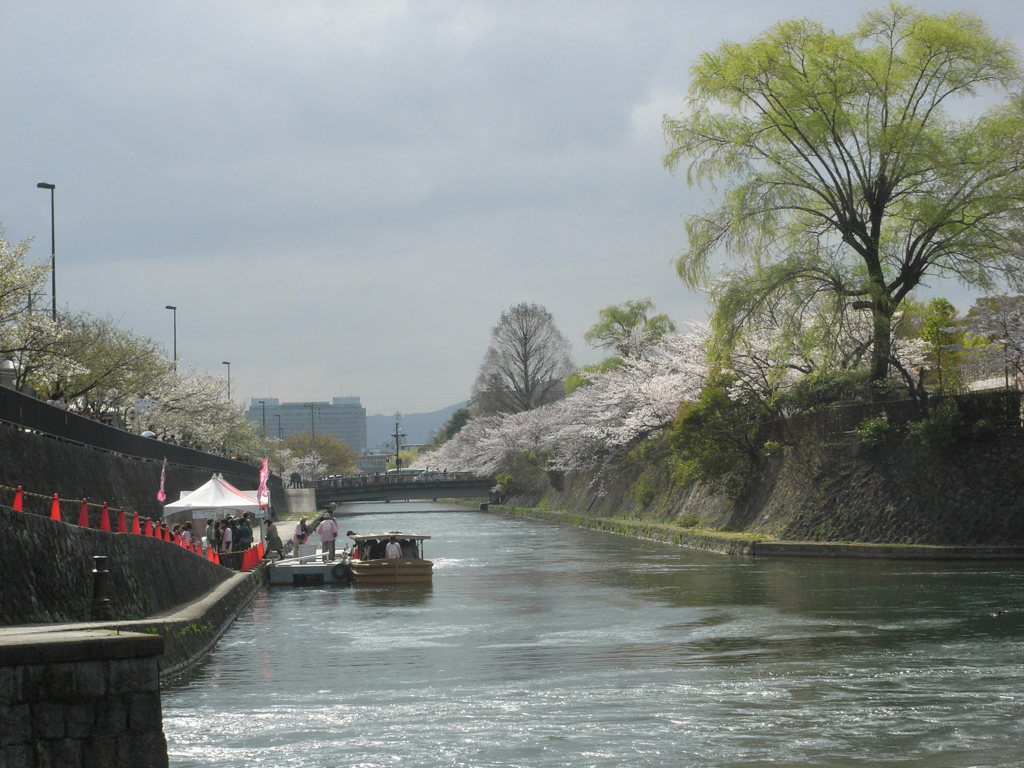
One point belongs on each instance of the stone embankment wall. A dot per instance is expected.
(971, 494)
(80, 699)
(46, 466)
(48, 565)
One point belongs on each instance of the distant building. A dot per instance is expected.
(343, 418)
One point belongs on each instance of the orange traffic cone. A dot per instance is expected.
(18, 501)
(209, 553)
(149, 527)
(83, 515)
(105, 518)
(135, 524)
(122, 525)
(55, 509)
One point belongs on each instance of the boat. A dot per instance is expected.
(368, 565)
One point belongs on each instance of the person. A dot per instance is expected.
(355, 545)
(393, 549)
(300, 535)
(186, 534)
(244, 533)
(274, 540)
(328, 533)
(226, 536)
(208, 535)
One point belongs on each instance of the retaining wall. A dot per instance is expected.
(80, 699)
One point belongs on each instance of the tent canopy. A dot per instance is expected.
(215, 496)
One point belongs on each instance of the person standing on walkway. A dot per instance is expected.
(274, 540)
(328, 533)
(300, 535)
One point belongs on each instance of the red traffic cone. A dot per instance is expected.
(122, 525)
(149, 527)
(55, 509)
(18, 501)
(209, 553)
(83, 515)
(261, 549)
(135, 524)
(105, 518)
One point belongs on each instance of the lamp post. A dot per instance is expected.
(228, 364)
(264, 404)
(312, 439)
(53, 247)
(174, 314)
(398, 447)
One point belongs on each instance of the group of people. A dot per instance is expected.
(231, 534)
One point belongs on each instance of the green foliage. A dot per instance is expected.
(875, 430)
(507, 484)
(845, 172)
(627, 328)
(556, 479)
(716, 440)
(450, 428)
(338, 457)
(983, 429)
(941, 428)
(579, 378)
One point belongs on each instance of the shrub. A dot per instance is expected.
(941, 428)
(875, 430)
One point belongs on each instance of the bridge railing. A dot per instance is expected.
(370, 480)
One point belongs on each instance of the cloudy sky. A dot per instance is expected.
(341, 197)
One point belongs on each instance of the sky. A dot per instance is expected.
(341, 198)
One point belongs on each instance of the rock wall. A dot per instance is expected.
(47, 572)
(971, 494)
(44, 466)
(80, 700)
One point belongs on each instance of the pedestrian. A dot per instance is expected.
(208, 537)
(300, 535)
(244, 533)
(226, 536)
(274, 540)
(328, 533)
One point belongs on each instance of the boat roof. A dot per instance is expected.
(387, 535)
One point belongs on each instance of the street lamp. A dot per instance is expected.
(228, 364)
(174, 313)
(53, 247)
(264, 404)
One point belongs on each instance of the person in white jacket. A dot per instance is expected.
(328, 533)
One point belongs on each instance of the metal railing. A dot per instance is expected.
(30, 414)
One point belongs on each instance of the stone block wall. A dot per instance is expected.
(46, 569)
(80, 699)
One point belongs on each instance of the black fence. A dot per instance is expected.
(31, 414)
(1000, 407)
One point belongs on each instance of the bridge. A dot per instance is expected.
(432, 485)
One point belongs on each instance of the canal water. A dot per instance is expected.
(538, 645)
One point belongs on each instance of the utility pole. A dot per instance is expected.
(398, 447)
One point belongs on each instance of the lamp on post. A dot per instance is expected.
(174, 313)
(228, 364)
(53, 247)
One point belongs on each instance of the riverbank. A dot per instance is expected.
(760, 546)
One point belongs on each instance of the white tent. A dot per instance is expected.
(214, 498)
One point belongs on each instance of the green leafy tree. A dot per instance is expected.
(941, 332)
(336, 457)
(845, 172)
(628, 328)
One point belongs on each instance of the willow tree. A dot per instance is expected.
(852, 165)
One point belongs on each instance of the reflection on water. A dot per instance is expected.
(543, 646)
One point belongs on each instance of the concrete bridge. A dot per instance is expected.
(395, 487)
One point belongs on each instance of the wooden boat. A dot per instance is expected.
(368, 565)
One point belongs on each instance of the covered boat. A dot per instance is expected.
(370, 564)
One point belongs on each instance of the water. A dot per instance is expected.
(545, 646)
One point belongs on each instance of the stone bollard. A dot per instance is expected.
(101, 607)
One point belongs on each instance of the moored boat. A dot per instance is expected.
(370, 563)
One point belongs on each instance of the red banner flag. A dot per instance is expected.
(160, 495)
(262, 494)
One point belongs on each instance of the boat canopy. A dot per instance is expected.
(361, 537)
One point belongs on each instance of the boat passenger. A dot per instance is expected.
(300, 535)
(393, 549)
(328, 533)
(274, 540)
